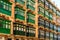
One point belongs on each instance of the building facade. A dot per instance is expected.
(29, 20)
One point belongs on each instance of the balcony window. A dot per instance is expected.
(51, 7)
(31, 18)
(47, 14)
(55, 28)
(31, 4)
(30, 31)
(5, 5)
(55, 37)
(41, 22)
(51, 36)
(51, 26)
(58, 13)
(47, 34)
(5, 26)
(50, 16)
(41, 10)
(41, 34)
(46, 24)
(54, 9)
(5, 8)
(19, 13)
(19, 29)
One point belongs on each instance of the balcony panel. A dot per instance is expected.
(4, 30)
(17, 16)
(3, 11)
(31, 18)
(31, 21)
(16, 32)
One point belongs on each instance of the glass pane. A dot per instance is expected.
(55, 27)
(51, 26)
(46, 24)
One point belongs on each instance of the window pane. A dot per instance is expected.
(51, 26)
(46, 24)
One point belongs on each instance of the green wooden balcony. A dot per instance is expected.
(4, 8)
(17, 16)
(31, 18)
(41, 13)
(30, 7)
(19, 13)
(4, 11)
(5, 26)
(20, 2)
(17, 32)
(31, 21)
